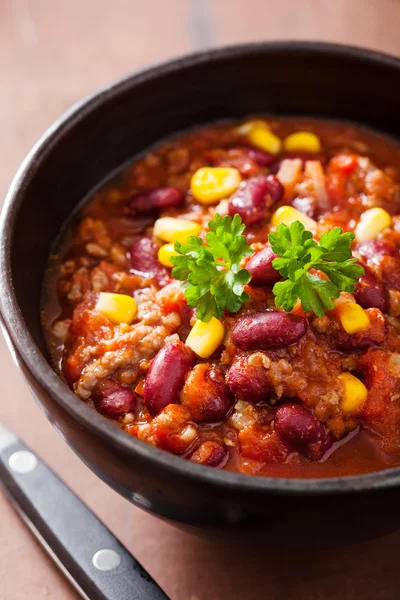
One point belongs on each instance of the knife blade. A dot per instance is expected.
(88, 554)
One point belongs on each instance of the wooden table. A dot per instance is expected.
(52, 54)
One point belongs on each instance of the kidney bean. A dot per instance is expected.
(187, 313)
(254, 196)
(266, 330)
(248, 382)
(371, 293)
(275, 188)
(249, 201)
(205, 394)
(114, 400)
(145, 262)
(168, 197)
(260, 268)
(349, 343)
(307, 206)
(211, 453)
(262, 158)
(144, 255)
(297, 426)
(374, 250)
(157, 199)
(166, 376)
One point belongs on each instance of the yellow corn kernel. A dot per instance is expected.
(288, 214)
(120, 308)
(373, 221)
(353, 318)
(354, 393)
(302, 141)
(247, 126)
(204, 338)
(175, 230)
(212, 184)
(263, 138)
(165, 253)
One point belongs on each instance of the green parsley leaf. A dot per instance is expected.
(213, 279)
(298, 253)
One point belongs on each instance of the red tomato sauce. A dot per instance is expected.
(255, 404)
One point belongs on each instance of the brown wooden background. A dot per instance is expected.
(52, 52)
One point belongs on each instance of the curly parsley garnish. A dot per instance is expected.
(298, 253)
(213, 279)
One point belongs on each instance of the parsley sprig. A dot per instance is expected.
(213, 279)
(298, 253)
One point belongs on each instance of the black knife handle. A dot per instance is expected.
(90, 556)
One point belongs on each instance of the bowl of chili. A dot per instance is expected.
(215, 332)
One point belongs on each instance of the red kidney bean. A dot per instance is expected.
(298, 426)
(115, 401)
(262, 158)
(260, 268)
(371, 293)
(205, 394)
(145, 262)
(187, 313)
(210, 453)
(266, 330)
(248, 382)
(349, 343)
(168, 197)
(144, 256)
(374, 250)
(254, 196)
(275, 189)
(157, 199)
(166, 376)
(307, 206)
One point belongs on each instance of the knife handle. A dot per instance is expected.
(86, 551)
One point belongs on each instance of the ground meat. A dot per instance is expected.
(77, 286)
(60, 330)
(95, 232)
(126, 347)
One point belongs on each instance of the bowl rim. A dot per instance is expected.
(27, 350)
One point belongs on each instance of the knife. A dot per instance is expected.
(87, 553)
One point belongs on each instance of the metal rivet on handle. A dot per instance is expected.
(22, 462)
(106, 560)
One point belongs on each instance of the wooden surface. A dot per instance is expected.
(52, 54)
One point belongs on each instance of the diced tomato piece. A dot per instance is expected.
(380, 383)
(344, 163)
(258, 443)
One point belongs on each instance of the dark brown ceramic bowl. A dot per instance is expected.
(96, 137)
